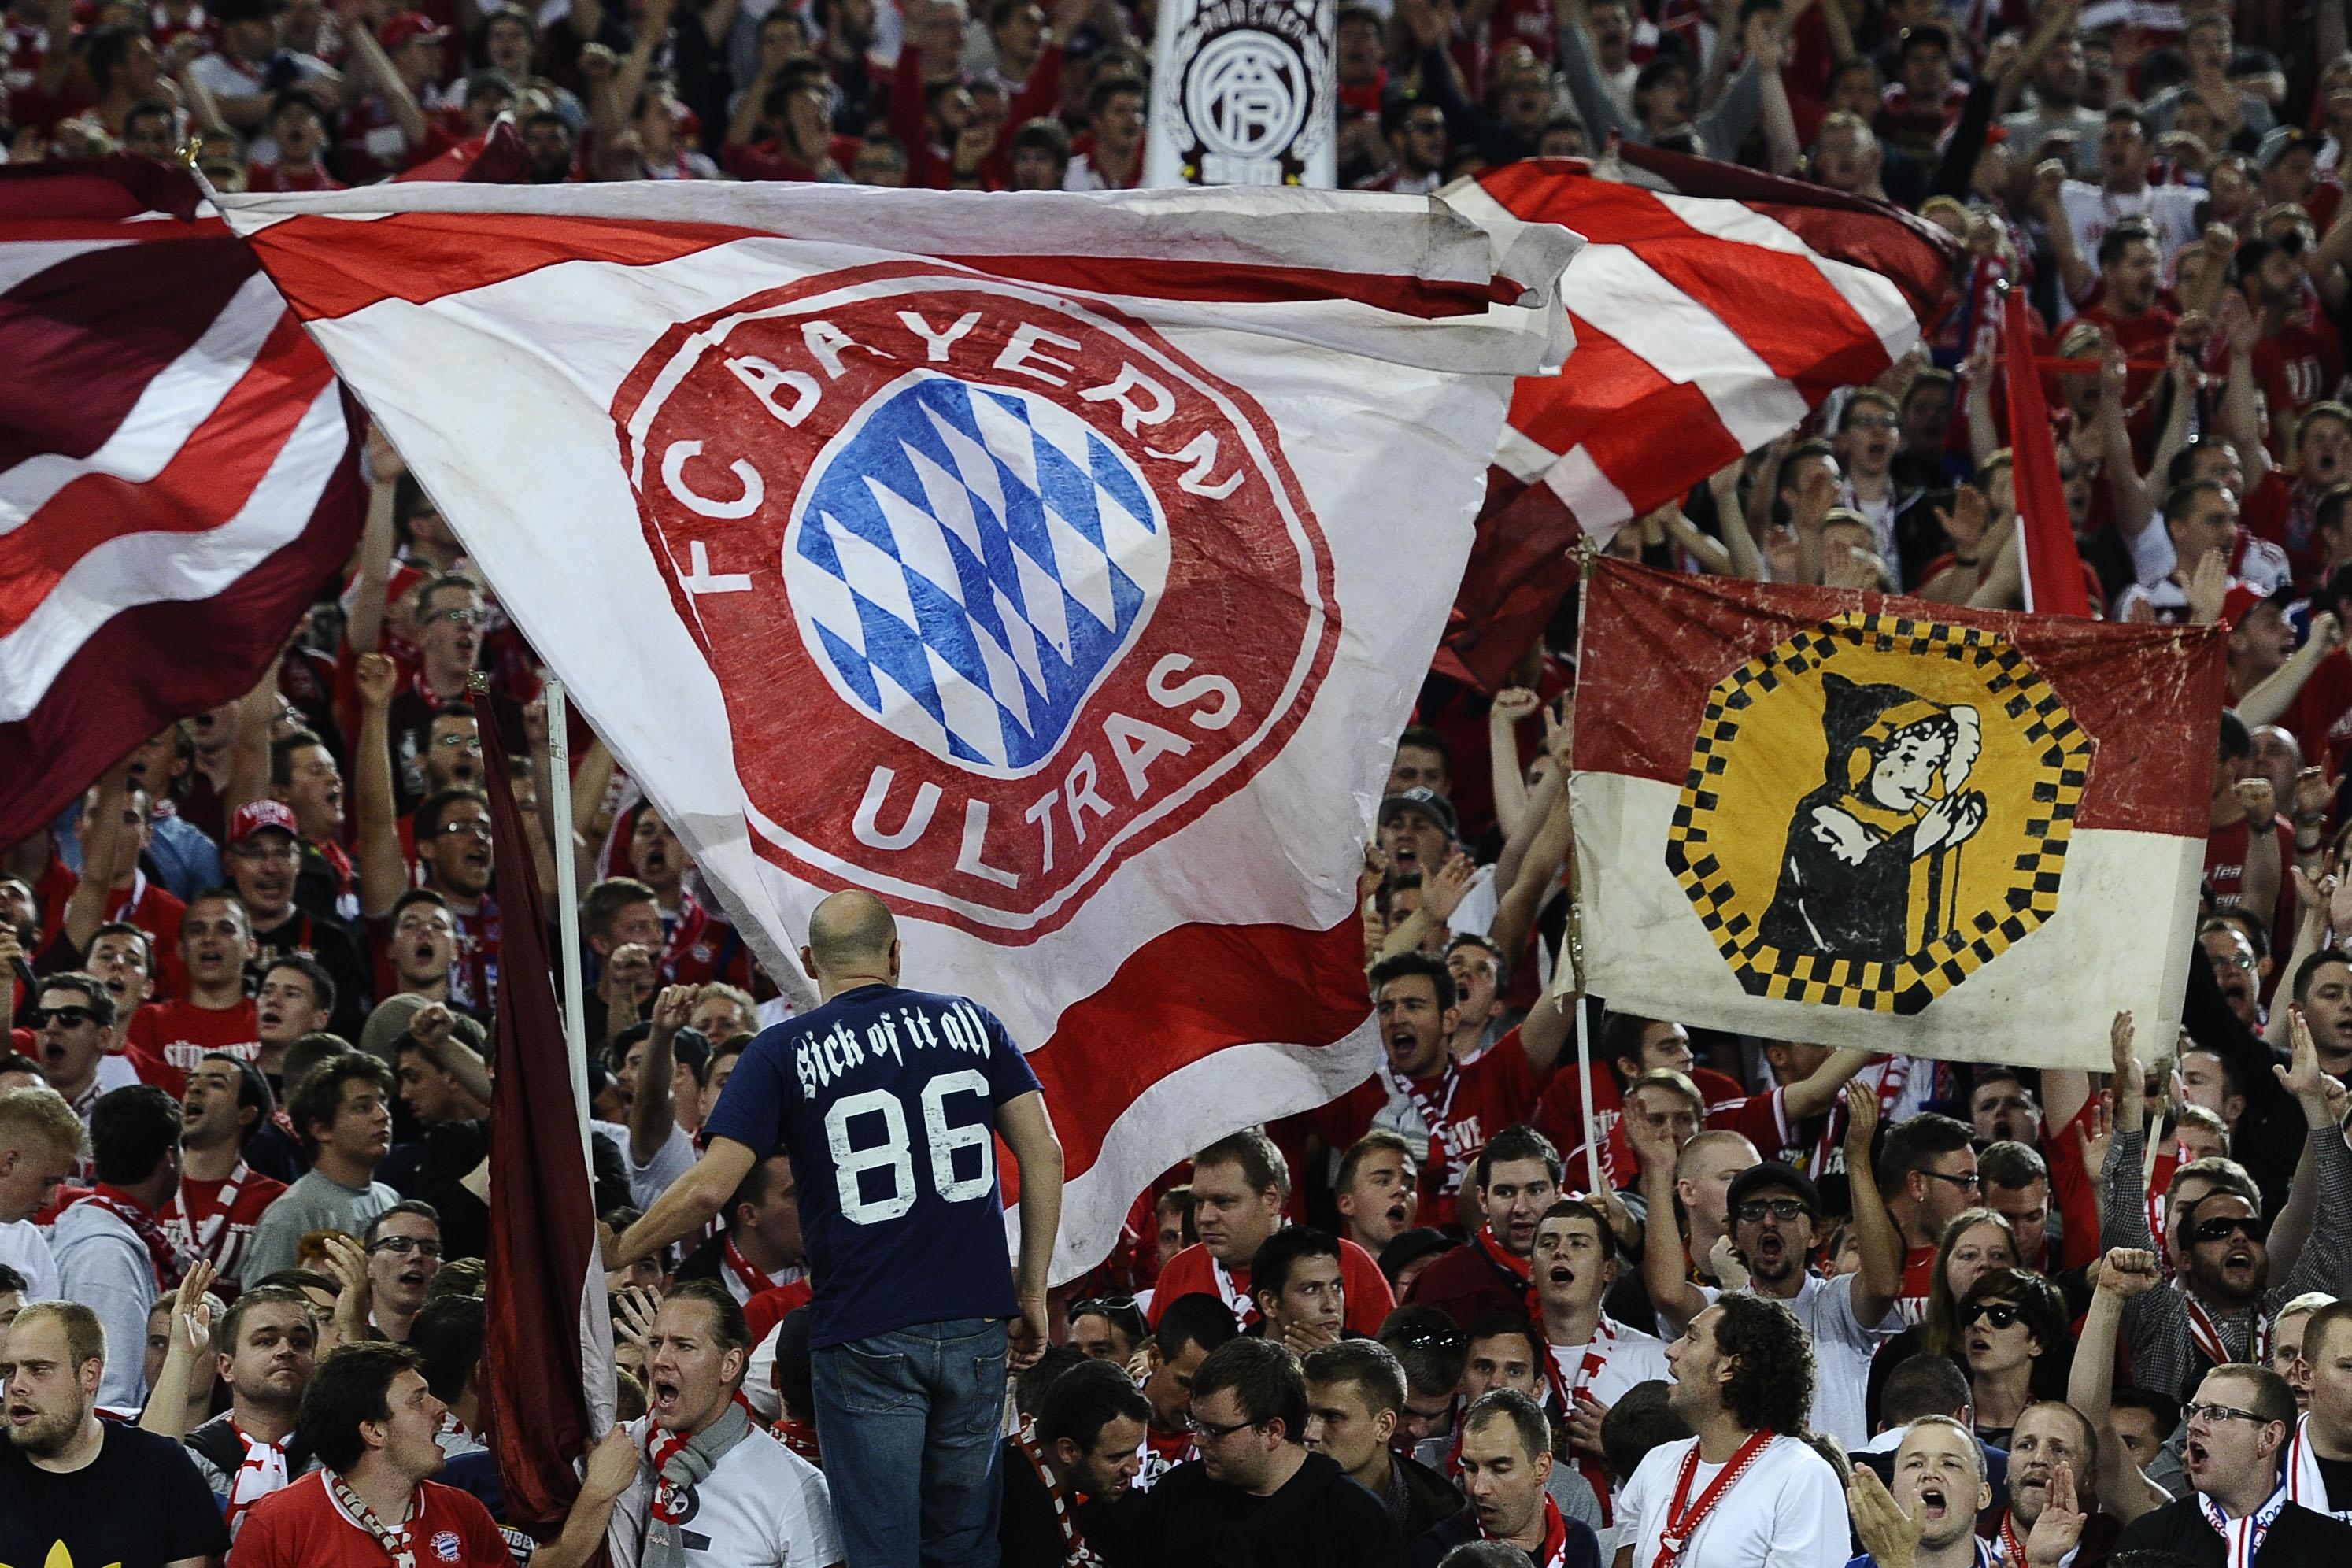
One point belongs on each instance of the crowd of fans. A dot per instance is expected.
(1482, 1304)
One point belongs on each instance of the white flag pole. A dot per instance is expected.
(567, 905)
(1567, 978)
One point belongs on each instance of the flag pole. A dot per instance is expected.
(567, 902)
(1572, 993)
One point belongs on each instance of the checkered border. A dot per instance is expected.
(1905, 987)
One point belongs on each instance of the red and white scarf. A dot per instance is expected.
(1522, 1269)
(263, 1472)
(2207, 1334)
(393, 1538)
(1438, 1117)
(1242, 1305)
(2305, 1484)
(1563, 1391)
(1553, 1553)
(2242, 1539)
(2012, 1545)
(129, 1211)
(800, 1436)
(1685, 1515)
(749, 1275)
(192, 1238)
(1076, 1553)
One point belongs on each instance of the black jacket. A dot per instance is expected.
(1319, 1518)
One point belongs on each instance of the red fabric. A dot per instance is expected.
(2281, 508)
(2225, 871)
(1918, 1279)
(2073, 1191)
(1561, 1114)
(767, 160)
(1636, 713)
(2322, 715)
(1464, 1284)
(2053, 566)
(159, 915)
(166, 1038)
(2146, 341)
(83, 339)
(300, 1527)
(542, 1210)
(281, 177)
(768, 1308)
(198, 1202)
(2297, 366)
(1369, 1300)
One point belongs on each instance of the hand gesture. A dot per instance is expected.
(629, 969)
(2130, 1106)
(2000, 57)
(1951, 820)
(632, 1315)
(1444, 892)
(432, 1026)
(2127, 1272)
(1304, 1337)
(1560, 729)
(2238, 325)
(1514, 703)
(1653, 1145)
(672, 1008)
(1723, 1262)
(611, 1466)
(1860, 1123)
(2326, 630)
(1375, 871)
(597, 64)
(1765, 47)
(2060, 1528)
(2313, 793)
(2042, 200)
(2095, 1131)
(192, 1317)
(2260, 800)
(1584, 1423)
(2207, 584)
(2219, 240)
(1965, 522)
(1816, 496)
(347, 1262)
(1890, 1535)
(2301, 1076)
(12, 953)
(377, 678)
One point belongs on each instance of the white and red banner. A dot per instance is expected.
(177, 473)
(1869, 821)
(1060, 570)
(1709, 301)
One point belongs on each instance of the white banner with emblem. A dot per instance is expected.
(1244, 94)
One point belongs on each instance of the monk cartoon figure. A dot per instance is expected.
(1871, 869)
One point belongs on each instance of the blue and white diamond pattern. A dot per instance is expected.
(971, 562)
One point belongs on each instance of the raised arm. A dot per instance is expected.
(691, 1202)
(653, 1115)
(1665, 1268)
(2268, 701)
(2325, 1262)
(1511, 704)
(1813, 1096)
(612, 1469)
(1515, 913)
(167, 1414)
(383, 871)
(1738, 540)
(435, 1031)
(374, 72)
(1881, 1279)
(2124, 1274)
(86, 910)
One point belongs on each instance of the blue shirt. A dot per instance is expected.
(886, 1101)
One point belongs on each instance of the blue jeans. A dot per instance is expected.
(910, 1422)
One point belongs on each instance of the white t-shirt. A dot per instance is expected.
(1841, 1350)
(2092, 210)
(1786, 1512)
(763, 1507)
(649, 1181)
(23, 1248)
(1637, 1358)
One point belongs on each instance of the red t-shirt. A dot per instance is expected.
(2302, 364)
(2322, 715)
(2225, 871)
(2281, 510)
(1494, 1092)
(1369, 1300)
(2073, 1191)
(1560, 1114)
(196, 1220)
(1918, 1279)
(158, 915)
(2145, 339)
(302, 1526)
(166, 1038)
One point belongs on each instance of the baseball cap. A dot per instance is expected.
(408, 27)
(1772, 1173)
(260, 816)
(380, 1036)
(1426, 801)
(2236, 602)
(2279, 143)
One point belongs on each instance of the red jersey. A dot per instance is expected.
(2322, 715)
(166, 1038)
(303, 1526)
(154, 910)
(1192, 1270)
(1561, 1114)
(769, 161)
(2145, 339)
(1474, 1102)
(215, 1220)
(2281, 509)
(2301, 365)
(2074, 1192)
(1918, 1279)
(2225, 871)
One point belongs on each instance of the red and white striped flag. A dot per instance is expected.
(1714, 307)
(177, 480)
(1060, 570)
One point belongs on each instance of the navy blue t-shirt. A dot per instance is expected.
(885, 1100)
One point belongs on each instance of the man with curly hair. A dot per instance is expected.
(1746, 1489)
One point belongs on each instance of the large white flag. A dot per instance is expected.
(1059, 568)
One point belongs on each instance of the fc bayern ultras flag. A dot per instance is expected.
(1243, 92)
(2054, 563)
(177, 471)
(1861, 820)
(1714, 307)
(546, 1361)
(1060, 569)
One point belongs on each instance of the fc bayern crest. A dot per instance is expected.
(1000, 587)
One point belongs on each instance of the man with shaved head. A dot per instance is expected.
(888, 1102)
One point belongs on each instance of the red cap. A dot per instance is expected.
(408, 27)
(2236, 602)
(260, 816)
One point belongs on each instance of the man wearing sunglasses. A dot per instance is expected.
(2238, 1512)
(2226, 1304)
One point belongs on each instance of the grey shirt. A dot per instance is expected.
(316, 1202)
(1720, 129)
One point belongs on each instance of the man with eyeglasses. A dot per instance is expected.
(404, 1253)
(1928, 1171)
(2225, 1305)
(2237, 1514)
(1192, 1329)
(1255, 1479)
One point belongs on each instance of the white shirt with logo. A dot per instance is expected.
(762, 1506)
